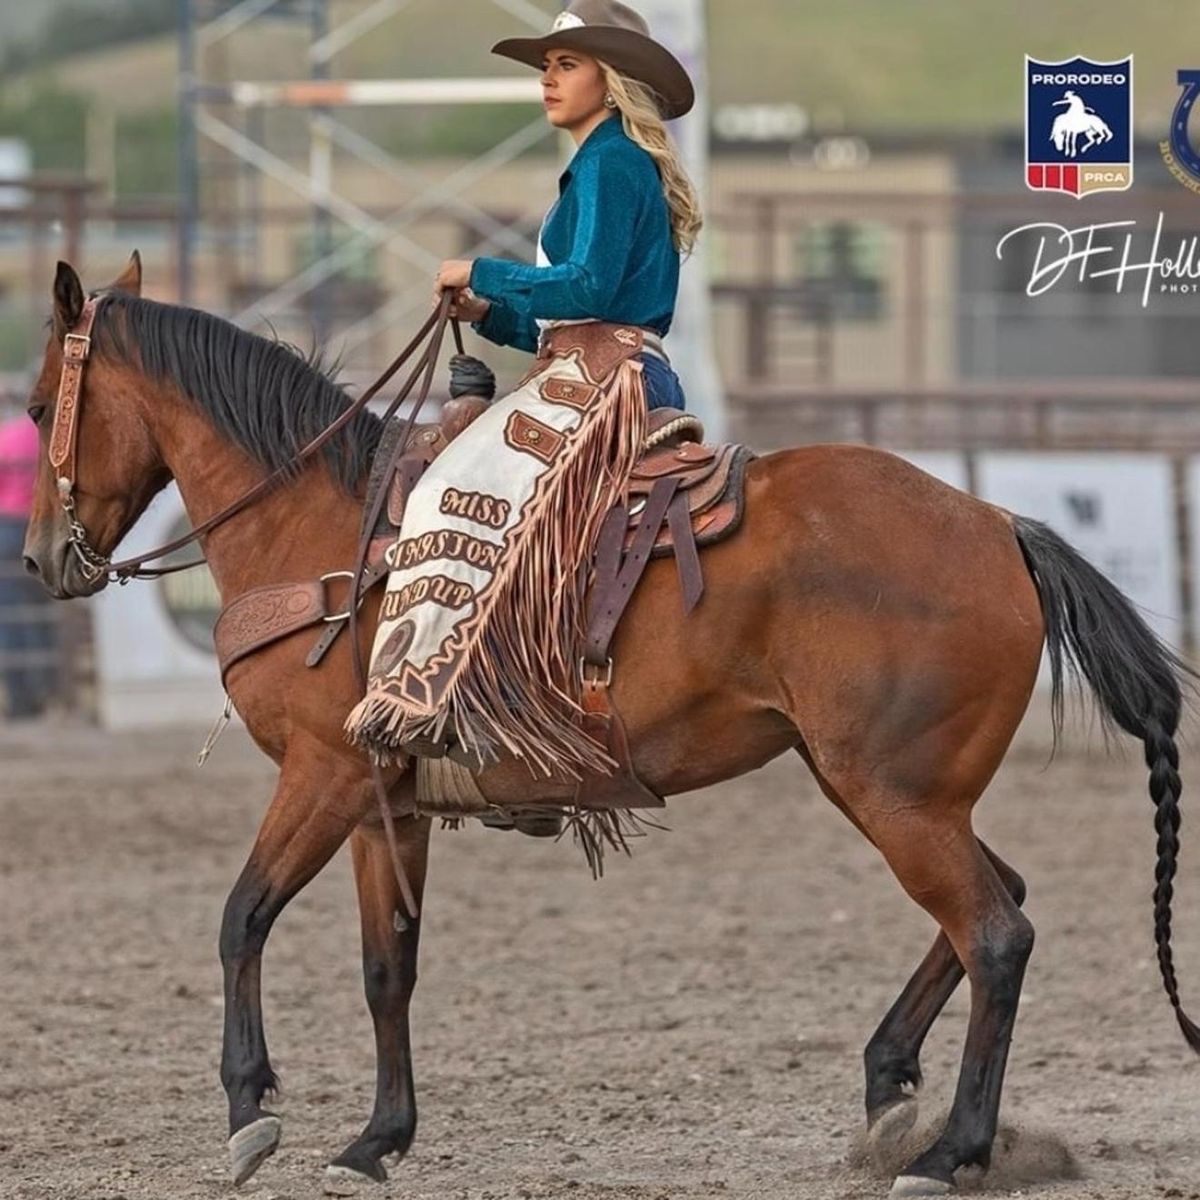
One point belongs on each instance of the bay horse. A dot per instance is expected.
(883, 626)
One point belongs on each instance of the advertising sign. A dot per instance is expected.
(1116, 509)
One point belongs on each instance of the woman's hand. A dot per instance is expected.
(453, 273)
(469, 307)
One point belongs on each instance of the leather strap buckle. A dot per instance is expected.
(84, 343)
(607, 669)
(340, 616)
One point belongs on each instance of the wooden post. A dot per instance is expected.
(756, 307)
(914, 306)
(1184, 524)
(73, 224)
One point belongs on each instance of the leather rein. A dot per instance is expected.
(64, 438)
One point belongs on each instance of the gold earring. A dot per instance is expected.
(609, 100)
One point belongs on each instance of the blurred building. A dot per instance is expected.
(852, 219)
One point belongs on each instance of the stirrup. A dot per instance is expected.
(532, 824)
(419, 747)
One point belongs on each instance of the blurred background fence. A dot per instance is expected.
(301, 166)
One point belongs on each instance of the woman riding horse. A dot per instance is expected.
(477, 647)
(609, 247)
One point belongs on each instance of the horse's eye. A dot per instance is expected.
(36, 412)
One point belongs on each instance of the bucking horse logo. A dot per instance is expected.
(1078, 123)
(1078, 119)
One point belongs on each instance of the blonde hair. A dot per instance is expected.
(638, 105)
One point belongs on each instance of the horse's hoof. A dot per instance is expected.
(346, 1181)
(890, 1126)
(251, 1145)
(918, 1185)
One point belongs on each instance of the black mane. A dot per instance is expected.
(265, 396)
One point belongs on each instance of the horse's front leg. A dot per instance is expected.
(389, 944)
(317, 802)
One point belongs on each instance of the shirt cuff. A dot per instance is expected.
(490, 277)
(499, 324)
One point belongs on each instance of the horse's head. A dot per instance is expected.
(99, 476)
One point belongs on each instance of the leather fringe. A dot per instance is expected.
(517, 688)
(596, 830)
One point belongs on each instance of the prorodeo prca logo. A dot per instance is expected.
(1182, 161)
(1078, 125)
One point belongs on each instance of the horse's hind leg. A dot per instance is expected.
(909, 783)
(316, 804)
(892, 1056)
(939, 862)
(389, 946)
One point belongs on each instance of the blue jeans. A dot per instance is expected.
(663, 389)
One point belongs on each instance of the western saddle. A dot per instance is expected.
(682, 494)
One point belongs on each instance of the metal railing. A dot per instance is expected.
(1057, 414)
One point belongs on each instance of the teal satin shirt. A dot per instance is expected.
(608, 239)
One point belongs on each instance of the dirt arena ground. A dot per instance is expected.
(691, 1026)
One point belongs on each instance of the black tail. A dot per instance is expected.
(1094, 630)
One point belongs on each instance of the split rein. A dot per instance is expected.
(64, 439)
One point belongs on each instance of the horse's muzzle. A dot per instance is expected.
(51, 560)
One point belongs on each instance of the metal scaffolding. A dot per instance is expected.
(226, 159)
(226, 139)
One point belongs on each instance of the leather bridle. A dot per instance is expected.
(64, 438)
(77, 347)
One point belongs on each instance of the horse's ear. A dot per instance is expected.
(68, 298)
(130, 279)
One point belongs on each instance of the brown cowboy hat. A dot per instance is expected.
(614, 32)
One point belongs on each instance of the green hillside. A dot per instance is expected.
(869, 65)
(939, 64)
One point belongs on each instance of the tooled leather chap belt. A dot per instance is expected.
(652, 342)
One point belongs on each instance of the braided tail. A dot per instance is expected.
(1162, 757)
(1096, 634)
